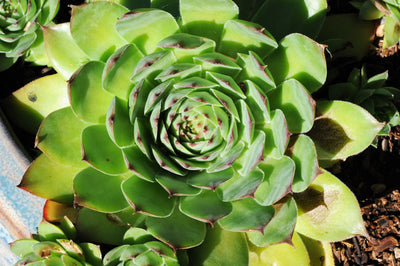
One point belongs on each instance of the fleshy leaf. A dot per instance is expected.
(98, 191)
(214, 250)
(204, 179)
(306, 16)
(169, 230)
(247, 215)
(151, 26)
(280, 254)
(328, 210)
(101, 152)
(175, 185)
(277, 134)
(278, 176)
(146, 197)
(281, 226)
(304, 156)
(98, 39)
(49, 232)
(28, 106)
(206, 207)
(296, 103)
(342, 129)
(140, 164)
(206, 17)
(59, 137)
(300, 58)
(240, 36)
(89, 100)
(44, 173)
(58, 39)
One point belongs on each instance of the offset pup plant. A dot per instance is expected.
(180, 125)
(20, 32)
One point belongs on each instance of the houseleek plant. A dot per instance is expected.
(200, 128)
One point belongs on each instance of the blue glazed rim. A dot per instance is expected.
(20, 211)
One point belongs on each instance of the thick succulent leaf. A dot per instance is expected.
(99, 191)
(240, 186)
(59, 137)
(303, 153)
(49, 232)
(175, 185)
(206, 207)
(101, 152)
(280, 254)
(169, 230)
(92, 253)
(140, 164)
(247, 215)
(277, 134)
(301, 58)
(118, 123)
(89, 100)
(392, 32)
(151, 26)
(240, 36)
(252, 155)
(318, 251)
(217, 63)
(221, 247)
(48, 246)
(57, 40)
(22, 247)
(259, 103)
(48, 11)
(342, 129)
(278, 176)
(103, 35)
(171, 6)
(207, 17)
(281, 226)
(28, 106)
(99, 227)
(296, 103)
(148, 198)
(118, 70)
(137, 235)
(328, 210)
(203, 179)
(306, 17)
(55, 212)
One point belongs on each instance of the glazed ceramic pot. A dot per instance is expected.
(20, 212)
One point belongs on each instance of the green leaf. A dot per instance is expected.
(203, 179)
(49, 232)
(304, 155)
(247, 215)
(89, 100)
(118, 70)
(100, 227)
(92, 253)
(148, 198)
(101, 152)
(281, 226)
(368, 11)
(277, 134)
(175, 185)
(28, 106)
(140, 164)
(278, 176)
(328, 210)
(205, 207)
(22, 247)
(221, 247)
(280, 254)
(99, 39)
(392, 32)
(58, 39)
(301, 58)
(151, 26)
(342, 129)
(240, 36)
(59, 137)
(296, 103)
(288, 16)
(99, 191)
(206, 17)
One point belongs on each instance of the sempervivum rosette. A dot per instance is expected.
(204, 121)
(19, 29)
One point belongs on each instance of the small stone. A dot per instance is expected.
(397, 253)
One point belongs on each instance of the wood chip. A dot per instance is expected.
(386, 243)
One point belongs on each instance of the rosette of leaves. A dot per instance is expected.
(55, 245)
(388, 11)
(205, 121)
(370, 93)
(20, 33)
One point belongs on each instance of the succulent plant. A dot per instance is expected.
(54, 245)
(20, 33)
(370, 93)
(389, 10)
(205, 121)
